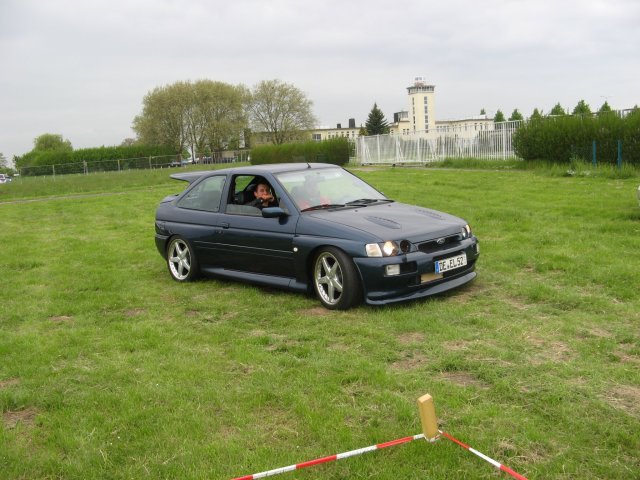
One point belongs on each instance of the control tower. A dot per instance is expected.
(422, 115)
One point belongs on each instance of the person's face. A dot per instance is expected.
(262, 191)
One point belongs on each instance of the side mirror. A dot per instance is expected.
(273, 212)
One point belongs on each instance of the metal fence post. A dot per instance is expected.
(619, 153)
(504, 142)
(593, 151)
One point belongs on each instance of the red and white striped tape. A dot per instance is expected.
(331, 458)
(379, 446)
(498, 465)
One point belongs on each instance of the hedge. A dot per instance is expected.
(61, 157)
(560, 139)
(335, 151)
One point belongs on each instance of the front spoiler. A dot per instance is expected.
(426, 291)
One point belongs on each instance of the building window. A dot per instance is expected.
(317, 137)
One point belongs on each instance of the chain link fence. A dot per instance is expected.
(143, 163)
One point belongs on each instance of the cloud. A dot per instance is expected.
(81, 69)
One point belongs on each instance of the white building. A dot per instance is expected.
(421, 116)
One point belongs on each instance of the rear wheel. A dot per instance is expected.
(181, 260)
(335, 279)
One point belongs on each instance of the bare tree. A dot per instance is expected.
(280, 110)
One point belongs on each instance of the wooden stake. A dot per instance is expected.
(428, 417)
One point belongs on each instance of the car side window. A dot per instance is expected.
(204, 196)
(242, 197)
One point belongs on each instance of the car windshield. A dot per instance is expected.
(328, 188)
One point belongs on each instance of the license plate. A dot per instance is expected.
(451, 263)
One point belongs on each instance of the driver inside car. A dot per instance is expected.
(263, 196)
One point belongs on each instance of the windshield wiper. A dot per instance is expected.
(323, 207)
(368, 201)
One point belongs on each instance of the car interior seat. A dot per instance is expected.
(244, 196)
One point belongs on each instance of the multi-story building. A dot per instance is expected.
(352, 132)
(419, 119)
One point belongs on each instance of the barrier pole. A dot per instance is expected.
(498, 465)
(330, 458)
(430, 433)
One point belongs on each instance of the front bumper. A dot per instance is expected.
(417, 278)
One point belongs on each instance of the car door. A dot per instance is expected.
(200, 207)
(252, 243)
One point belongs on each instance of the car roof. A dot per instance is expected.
(253, 170)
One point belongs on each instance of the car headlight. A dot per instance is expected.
(390, 248)
(466, 232)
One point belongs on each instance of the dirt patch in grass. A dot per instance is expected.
(12, 418)
(551, 351)
(411, 338)
(533, 453)
(457, 345)
(11, 382)
(599, 332)
(134, 312)
(61, 319)
(258, 333)
(464, 379)
(625, 398)
(410, 362)
(516, 302)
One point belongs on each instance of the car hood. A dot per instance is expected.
(392, 221)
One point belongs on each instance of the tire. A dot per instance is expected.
(181, 260)
(335, 279)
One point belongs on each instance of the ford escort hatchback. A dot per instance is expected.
(329, 233)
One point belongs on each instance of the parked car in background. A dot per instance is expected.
(4, 178)
(329, 233)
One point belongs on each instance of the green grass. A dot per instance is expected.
(109, 369)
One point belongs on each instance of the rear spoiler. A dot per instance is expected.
(188, 176)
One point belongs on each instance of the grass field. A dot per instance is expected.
(109, 369)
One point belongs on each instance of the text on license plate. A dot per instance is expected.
(451, 263)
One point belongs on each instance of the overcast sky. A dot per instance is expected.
(80, 68)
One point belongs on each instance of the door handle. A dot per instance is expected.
(224, 225)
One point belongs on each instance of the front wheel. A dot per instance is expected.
(335, 279)
(181, 260)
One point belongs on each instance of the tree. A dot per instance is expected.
(376, 124)
(605, 108)
(557, 110)
(280, 110)
(205, 116)
(51, 141)
(3, 161)
(482, 111)
(162, 121)
(582, 108)
(221, 111)
(515, 115)
(499, 117)
(536, 115)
